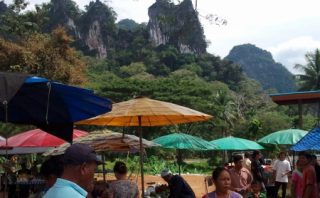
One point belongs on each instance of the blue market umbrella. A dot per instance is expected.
(50, 105)
(309, 141)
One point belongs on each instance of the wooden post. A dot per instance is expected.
(103, 168)
(300, 114)
(141, 157)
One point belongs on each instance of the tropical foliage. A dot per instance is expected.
(310, 79)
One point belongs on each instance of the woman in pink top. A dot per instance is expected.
(309, 180)
(296, 187)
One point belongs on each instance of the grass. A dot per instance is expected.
(154, 165)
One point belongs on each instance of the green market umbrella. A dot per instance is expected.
(288, 137)
(181, 141)
(234, 143)
(184, 141)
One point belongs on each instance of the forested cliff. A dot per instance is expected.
(163, 59)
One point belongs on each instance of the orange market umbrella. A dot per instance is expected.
(143, 111)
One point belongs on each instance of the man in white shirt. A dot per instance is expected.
(246, 161)
(282, 168)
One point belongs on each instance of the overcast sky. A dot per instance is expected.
(286, 28)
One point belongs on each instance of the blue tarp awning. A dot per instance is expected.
(311, 141)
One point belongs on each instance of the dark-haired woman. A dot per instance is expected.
(122, 187)
(222, 180)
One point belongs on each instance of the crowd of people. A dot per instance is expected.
(246, 178)
(72, 175)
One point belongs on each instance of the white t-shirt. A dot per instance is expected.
(281, 167)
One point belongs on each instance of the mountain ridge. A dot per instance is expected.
(259, 64)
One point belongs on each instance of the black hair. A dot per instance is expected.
(306, 154)
(217, 172)
(52, 166)
(314, 157)
(255, 182)
(282, 152)
(120, 167)
(255, 153)
(247, 154)
(237, 158)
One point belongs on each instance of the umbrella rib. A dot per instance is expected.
(149, 121)
(169, 120)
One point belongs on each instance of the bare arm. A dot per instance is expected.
(250, 179)
(286, 173)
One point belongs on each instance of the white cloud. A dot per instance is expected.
(292, 52)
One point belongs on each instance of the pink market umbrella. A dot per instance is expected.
(33, 141)
(37, 138)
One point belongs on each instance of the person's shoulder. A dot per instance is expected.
(65, 188)
(309, 167)
(64, 191)
(177, 177)
(286, 161)
(210, 195)
(235, 195)
(127, 183)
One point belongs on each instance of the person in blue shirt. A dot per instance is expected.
(80, 163)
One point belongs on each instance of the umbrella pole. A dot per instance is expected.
(6, 173)
(103, 168)
(179, 160)
(141, 157)
(300, 114)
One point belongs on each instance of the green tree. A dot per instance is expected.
(18, 23)
(133, 69)
(310, 80)
(44, 55)
(225, 111)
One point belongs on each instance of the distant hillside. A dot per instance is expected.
(260, 65)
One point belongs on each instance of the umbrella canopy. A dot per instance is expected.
(184, 141)
(37, 138)
(22, 150)
(288, 136)
(106, 140)
(146, 112)
(234, 143)
(151, 112)
(50, 105)
(309, 142)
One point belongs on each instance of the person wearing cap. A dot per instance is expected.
(179, 188)
(80, 163)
